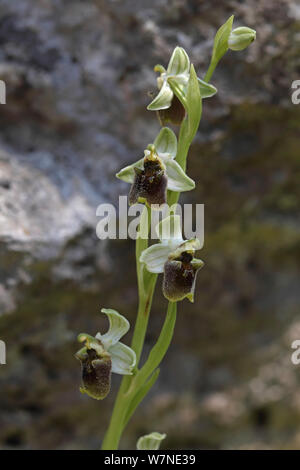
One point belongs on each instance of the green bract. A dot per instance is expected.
(162, 153)
(221, 40)
(104, 354)
(150, 441)
(174, 81)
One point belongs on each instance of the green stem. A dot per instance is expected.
(146, 286)
(114, 431)
(143, 317)
(210, 70)
(140, 395)
(160, 348)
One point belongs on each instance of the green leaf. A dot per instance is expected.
(194, 104)
(166, 142)
(221, 40)
(140, 395)
(190, 97)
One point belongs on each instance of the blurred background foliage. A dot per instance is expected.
(77, 76)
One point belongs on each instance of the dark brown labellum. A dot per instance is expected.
(174, 114)
(150, 184)
(179, 278)
(96, 374)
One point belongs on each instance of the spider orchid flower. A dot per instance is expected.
(172, 84)
(158, 171)
(104, 354)
(174, 257)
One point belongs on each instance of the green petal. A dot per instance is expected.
(170, 228)
(206, 89)
(90, 343)
(181, 80)
(155, 257)
(166, 142)
(123, 359)
(118, 327)
(127, 174)
(163, 100)
(159, 68)
(179, 62)
(150, 441)
(191, 245)
(177, 178)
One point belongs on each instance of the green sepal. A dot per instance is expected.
(163, 100)
(179, 62)
(207, 90)
(166, 142)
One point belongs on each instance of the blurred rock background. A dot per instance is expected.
(77, 76)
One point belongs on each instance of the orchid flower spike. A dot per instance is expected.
(158, 171)
(150, 441)
(174, 257)
(104, 354)
(172, 84)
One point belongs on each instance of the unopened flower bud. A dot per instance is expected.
(150, 183)
(240, 38)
